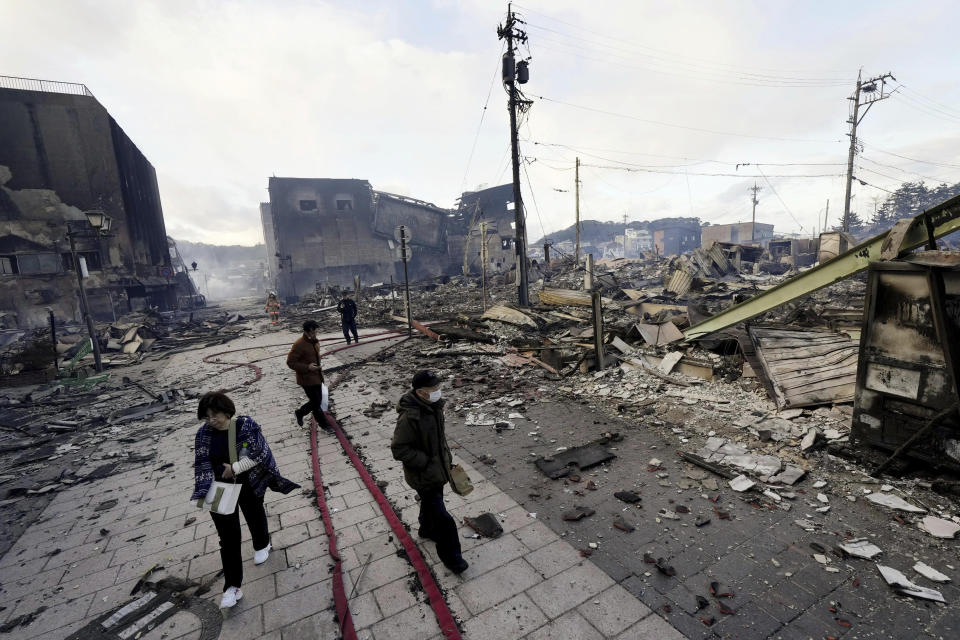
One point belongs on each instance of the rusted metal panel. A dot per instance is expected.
(908, 371)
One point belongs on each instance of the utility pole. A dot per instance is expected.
(624, 234)
(514, 74)
(826, 215)
(753, 218)
(483, 260)
(868, 87)
(406, 279)
(576, 253)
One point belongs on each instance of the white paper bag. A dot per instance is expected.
(221, 498)
(324, 398)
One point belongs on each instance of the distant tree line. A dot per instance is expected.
(909, 200)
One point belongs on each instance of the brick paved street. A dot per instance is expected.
(85, 553)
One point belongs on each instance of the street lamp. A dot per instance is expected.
(100, 223)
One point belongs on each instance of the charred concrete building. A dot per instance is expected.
(737, 233)
(672, 236)
(325, 231)
(62, 154)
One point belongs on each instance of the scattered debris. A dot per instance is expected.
(861, 548)
(939, 528)
(903, 586)
(930, 573)
(894, 502)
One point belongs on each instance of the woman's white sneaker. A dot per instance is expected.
(259, 557)
(230, 597)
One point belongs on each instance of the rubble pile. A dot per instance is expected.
(32, 358)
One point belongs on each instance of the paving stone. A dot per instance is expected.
(570, 626)
(415, 623)
(315, 627)
(478, 594)
(354, 515)
(491, 554)
(513, 618)
(379, 572)
(296, 605)
(652, 627)
(553, 558)
(364, 610)
(535, 535)
(613, 610)
(750, 621)
(396, 596)
(569, 588)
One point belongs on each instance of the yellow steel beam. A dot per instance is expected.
(936, 222)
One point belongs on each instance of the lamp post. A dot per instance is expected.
(99, 222)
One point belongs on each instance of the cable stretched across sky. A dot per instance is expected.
(680, 126)
(693, 173)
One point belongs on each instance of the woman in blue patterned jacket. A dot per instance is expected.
(255, 468)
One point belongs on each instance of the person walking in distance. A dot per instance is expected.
(304, 358)
(348, 316)
(255, 468)
(420, 443)
(273, 308)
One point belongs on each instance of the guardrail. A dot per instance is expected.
(46, 86)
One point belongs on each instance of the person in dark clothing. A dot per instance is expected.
(347, 309)
(304, 358)
(255, 468)
(420, 443)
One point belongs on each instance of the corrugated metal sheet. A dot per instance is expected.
(680, 282)
(807, 367)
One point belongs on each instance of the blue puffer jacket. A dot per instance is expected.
(250, 443)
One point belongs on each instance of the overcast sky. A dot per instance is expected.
(222, 95)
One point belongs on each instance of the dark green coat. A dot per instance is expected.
(420, 442)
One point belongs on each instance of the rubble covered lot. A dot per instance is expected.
(717, 481)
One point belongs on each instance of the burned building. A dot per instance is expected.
(739, 233)
(493, 206)
(61, 155)
(325, 231)
(672, 236)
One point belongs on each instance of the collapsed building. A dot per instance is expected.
(64, 158)
(322, 232)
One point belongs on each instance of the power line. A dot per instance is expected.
(695, 72)
(639, 46)
(923, 97)
(679, 126)
(483, 114)
(536, 207)
(770, 184)
(583, 151)
(716, 175)
(890, 166)
(897, 155)
(933, 112)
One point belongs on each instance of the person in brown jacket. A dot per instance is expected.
(304, 358)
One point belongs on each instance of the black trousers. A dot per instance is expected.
(438, 525)
(314, 401)
(228, 528)
(349, 326)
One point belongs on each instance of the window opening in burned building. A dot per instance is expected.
(38, 263)
(8, 265)
(308, 205)
(344, 205)
(92, 257)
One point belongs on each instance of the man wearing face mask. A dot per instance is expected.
(420, 443)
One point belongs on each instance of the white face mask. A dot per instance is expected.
(434, 395)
